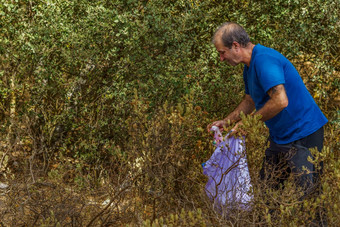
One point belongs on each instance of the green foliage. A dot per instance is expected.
(121, 87)
(330, 164)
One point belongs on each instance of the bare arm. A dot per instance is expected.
(277, 102)
(246, 106)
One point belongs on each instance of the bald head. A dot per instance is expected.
(231, 32)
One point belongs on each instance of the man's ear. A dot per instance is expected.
(236, 45)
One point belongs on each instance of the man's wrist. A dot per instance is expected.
(227, 121)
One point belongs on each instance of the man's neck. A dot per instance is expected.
(247, 52)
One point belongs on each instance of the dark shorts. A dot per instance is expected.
(283, 159)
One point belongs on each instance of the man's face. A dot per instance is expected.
(229, 55)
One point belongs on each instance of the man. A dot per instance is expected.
(275, 89)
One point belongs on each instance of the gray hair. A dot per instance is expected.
(231, 32)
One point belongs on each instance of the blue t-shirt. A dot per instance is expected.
(302, 116)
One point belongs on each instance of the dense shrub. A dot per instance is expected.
(111, 99)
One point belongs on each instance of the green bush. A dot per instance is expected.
(97, 87)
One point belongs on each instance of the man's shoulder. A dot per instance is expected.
(263, 51)
(266, 55)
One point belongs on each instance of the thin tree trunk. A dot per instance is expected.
(12, 112)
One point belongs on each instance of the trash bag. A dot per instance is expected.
(228, 175)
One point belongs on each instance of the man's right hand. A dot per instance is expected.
(220, 124)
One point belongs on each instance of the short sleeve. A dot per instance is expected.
(269, 71)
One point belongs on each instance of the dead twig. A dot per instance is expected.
(111, 201)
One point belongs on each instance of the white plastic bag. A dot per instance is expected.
(228, 175)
